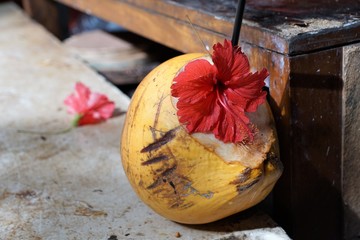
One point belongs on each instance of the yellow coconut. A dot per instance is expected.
(193, 178)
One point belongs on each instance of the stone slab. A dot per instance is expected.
(71, 185)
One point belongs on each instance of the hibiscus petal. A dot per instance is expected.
(200, 117)
(195, 83)
(96, 101)
(100, 114)
(227, 129)
(233, 125)
(91, 107)
(229, 61)
(249, 91)
(251, 81)
(82, 94)
(194, 87)
(89, 118)
(106, 110)
(77, 102)
(195, 90)
(196, 79)
(72, 104)
(253, 105)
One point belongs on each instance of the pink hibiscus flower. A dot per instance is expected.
(88, 107)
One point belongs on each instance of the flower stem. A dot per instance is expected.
(75, 121)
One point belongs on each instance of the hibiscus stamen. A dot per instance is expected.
(221, 97)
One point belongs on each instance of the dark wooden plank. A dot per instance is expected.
(339, 36)
(214, 16)
(158, 27)
(46, 13)
(316, 140)
(278, 28)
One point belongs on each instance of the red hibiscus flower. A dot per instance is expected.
(88, 107)
(215, 98)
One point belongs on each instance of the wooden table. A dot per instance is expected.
(311, 50)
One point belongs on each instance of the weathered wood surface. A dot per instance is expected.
(315, 140)
(288, 27)
(71, 185)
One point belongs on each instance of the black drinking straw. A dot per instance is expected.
(238, 21)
